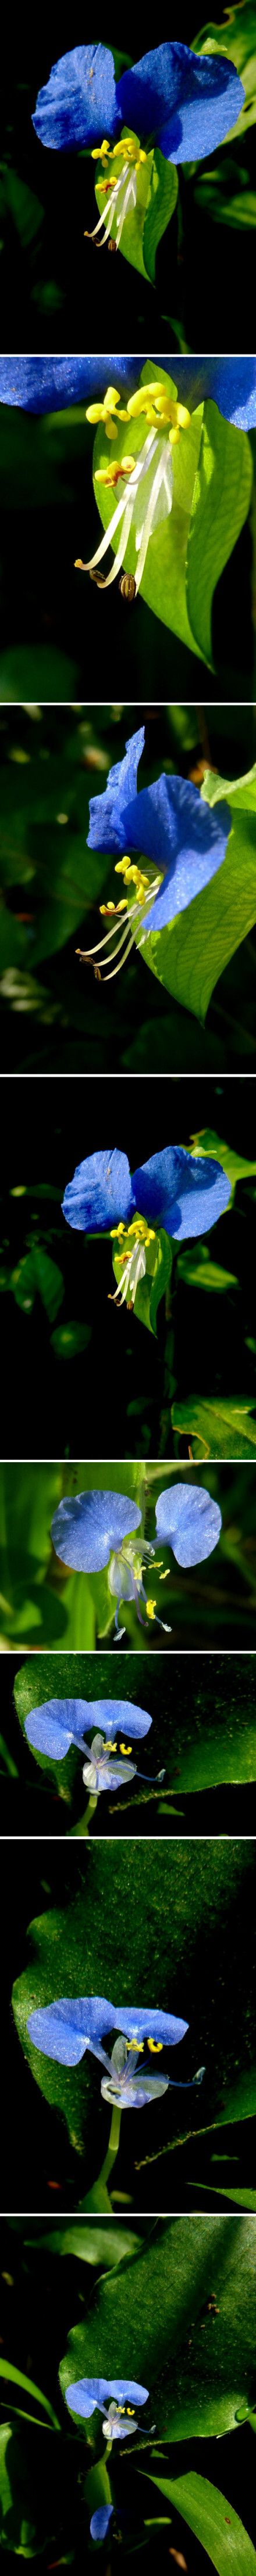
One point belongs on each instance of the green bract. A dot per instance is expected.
(212, 481)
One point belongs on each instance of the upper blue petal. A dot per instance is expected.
(188, 101)
(118, 1716)
(110, 812)
(100, 2521)
(177, 830)
(85, 1528)
(168, 823)
(84, 2394)
(143, 2023)
(51, 384)
(55, 1725)
(78, 105)
(189, 1521)
(185, 1193)
(100, 1193)
(230, 382)
(66, 2028)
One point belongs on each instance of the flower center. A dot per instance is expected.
(120, 192)
(165, 418)
(145, 891)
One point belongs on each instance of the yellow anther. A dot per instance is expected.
(110, 1748)
(174, 435)
(117, 1229)
(151, 1609)
(163, 1577)
(100, 151)
(183, 416)
(149, 1238)
(121, 865)
(107, 907)
(155, 2045)
(136, 2043)
(131, 2409)
(125, 1748)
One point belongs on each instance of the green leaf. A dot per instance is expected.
(104, 2246)
(190, 955)
(8, 2371)
(163, 199)
(173, 1897)
(221, 500)
(20, 2516)
(237, 41)
(6, 1758)
(235, 1165)
(197, 1270)
(162, 1273)
(36, 1273)
(214, 200)
(149, 2309)
(212, 2518)
(70, 1338)
(217, 1426)
(19, 201)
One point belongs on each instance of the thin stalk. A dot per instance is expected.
(83, 1826)
(112, 2151)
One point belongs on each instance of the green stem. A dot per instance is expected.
(112, 2151)
(98, 2197)
(83, 1826)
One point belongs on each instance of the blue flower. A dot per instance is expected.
(100, 2520)
(187, 102)
(183, 1193)
(84, 2394)
(188, 1521)
(99, 1773)
(67, 2028)
(175, 830)
(57, 1723)
(85, 1528)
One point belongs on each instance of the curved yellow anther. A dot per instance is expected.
(155, 2045)
(125, 1748)
(100, 151)
(151, 1609)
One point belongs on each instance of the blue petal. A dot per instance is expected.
(145, 2024)
(84, 2394)
(55, 1725)
(230, 382)
(188, 101)
(118, 1716)
(66, 2028)
(185, 1193)
(51, 384)
(100, 1193)
(78, 105)
(110, 812)
(86, 1528)
(170, 824)
(100, 2521)
(190, 1523)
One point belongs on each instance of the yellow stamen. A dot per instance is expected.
(163, 1577)
(110, 1748)
(155, 2045)
(125, 1748)
(151, 1609)
(100, 151)
(136, 2043)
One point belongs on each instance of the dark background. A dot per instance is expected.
(173, 1695)
(38, 2299)
(54, 1017)
(113, 1392)
(59, 637)
(37, 2159)
(49, 273)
